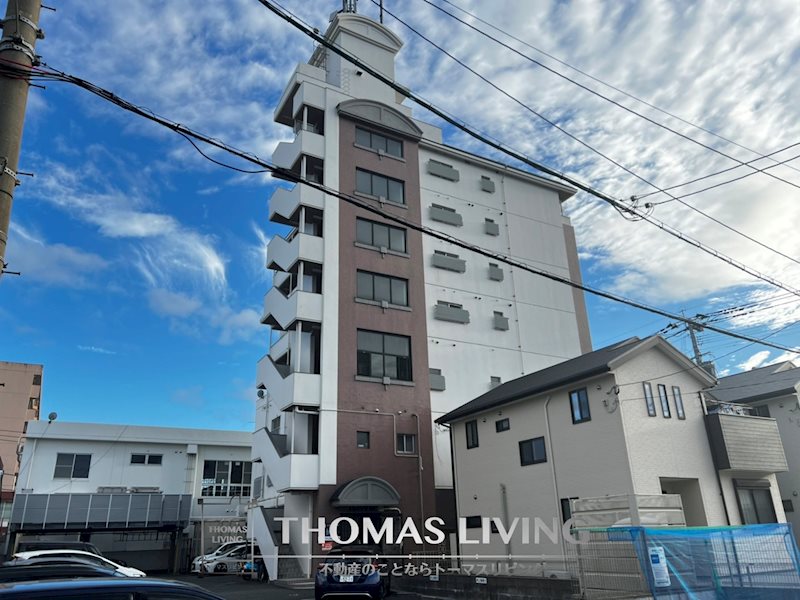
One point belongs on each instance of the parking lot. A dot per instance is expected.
(231, 587)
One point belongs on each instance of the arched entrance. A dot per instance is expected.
(365, 492)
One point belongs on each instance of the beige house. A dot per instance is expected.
(20, 395)
(628, 419)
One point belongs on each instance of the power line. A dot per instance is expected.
(582, 142)
(314, 34)
(596, 93)
(288, 175)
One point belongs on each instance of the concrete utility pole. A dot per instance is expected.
(17, 46)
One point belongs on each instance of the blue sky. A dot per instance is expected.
(143, 275)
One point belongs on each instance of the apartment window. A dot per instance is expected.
(532, 452)
(146, 459)
(579, 403)
(371, 286)
(502, 425)
(380, 186)
(37, 379)
(494, 381)
(761, 411)
(662, 395)
(487, 185)
(788, 505)
(227, 478)
(472, 434)
(443, 170)
(566, 508)
(473, 522)
(676, 396)
(383, 355)
(406, 443)
(648, 398)
(381, 236)
(72, 466)
(33, 403)
(362, 439)
(275, 425)
(379, 142)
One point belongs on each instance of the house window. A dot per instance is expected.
(788, 505)
(662, 395)
(228, 478)
(371, 286)
(380, 235)
(37, 379)
(33, 403)
(579, 403)
(502, 425)
(676, 396)
(380, 186)
(648, 398)
(406, 443)
(755, 503)
(383, 355)
(472, 434)
(362, 439)
(760, 411)
(532, 451)
(379, 142)
(494, 381)
(566, 508)
(72, 466)
(275, 425)
(146, 459)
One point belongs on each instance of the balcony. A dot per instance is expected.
(286, 108)
(287, 472)
(77, 512)
(306, 143)
(450, 312)
(284, 205)
(282, 311)
(293, 389)
(283, 253)
(744, 443)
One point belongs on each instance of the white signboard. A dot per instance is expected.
(658, 562)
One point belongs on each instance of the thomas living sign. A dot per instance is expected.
(346, 530)
(219, 532)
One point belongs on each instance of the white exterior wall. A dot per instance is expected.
(543, 327)
(111, 447)
(660, 447)
(785, 412)
(583, 460)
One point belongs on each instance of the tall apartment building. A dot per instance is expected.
(20, 395)
(377, 330)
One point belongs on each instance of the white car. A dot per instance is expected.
(230, 561)
(221, 551)
(86, 556)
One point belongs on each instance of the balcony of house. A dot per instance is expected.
(744, 442)
(283, 308)
(103, 511)
(305, 146)
(285, 204)
(290, 371)
(283, 253)
(301, 91)
(305, 168)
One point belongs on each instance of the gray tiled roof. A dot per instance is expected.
(757, 384)
(581, 367)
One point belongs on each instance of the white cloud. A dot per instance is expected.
(52, 264)
(786, 356)
(95, 349)
(234, 326)
(171, 304)
(756, 360)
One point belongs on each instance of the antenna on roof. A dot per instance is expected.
(350, 6)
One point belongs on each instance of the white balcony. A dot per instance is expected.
(305, 143)
(283, 253)
(285, 111)
(296, 389)
(281, 311)
(289, 472)
(284, 203)
(308, 94)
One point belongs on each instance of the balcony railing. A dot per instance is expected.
(743, 442)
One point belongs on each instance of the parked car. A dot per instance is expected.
(87, 556)
(34, 569)
(115, 588)
(230, 562)
(350, 571)
(31, 545)
(220, 551)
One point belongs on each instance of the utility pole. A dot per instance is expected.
(17, 49)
